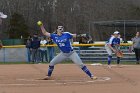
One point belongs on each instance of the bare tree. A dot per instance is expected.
(75, 15)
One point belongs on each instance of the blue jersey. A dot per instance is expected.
(63, 41)
(113, 41)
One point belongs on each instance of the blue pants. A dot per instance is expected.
(29, 54)
(74, 57)
(35, 55)
(51, 53)
(43, 54)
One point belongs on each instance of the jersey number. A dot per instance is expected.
(61, 44)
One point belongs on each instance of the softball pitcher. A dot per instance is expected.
(62, 39)
(113, 45)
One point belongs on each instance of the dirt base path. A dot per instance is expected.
(68, 78)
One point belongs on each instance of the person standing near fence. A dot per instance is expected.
(112, 45)
(136, 46)
(0, 21)
(35, 45)
(28, 46)
(50, 49)
(1, 45)
(43, 49)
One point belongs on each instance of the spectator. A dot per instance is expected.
(136, 46)
(82, 40)
(85, 39)
(50, 49)
(1, 45)
(43, 49)
(28, 46)
(35, 45)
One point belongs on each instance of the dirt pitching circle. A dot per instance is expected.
(67, 81)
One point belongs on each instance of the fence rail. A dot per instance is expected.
(75, 45)
(87, 52)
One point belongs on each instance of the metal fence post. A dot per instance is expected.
(4, 59)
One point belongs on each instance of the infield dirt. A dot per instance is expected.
(68, 78)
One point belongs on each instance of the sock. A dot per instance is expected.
(50, 70)
(118, 60)
(85, 69)
(109, 60)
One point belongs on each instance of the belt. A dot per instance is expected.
(68, 51)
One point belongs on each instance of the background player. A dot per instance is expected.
(113, 44)
(136, 46)
(62, 39)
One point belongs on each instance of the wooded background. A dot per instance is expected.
(75, 15)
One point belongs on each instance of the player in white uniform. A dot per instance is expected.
(113, 45)
(62, 39)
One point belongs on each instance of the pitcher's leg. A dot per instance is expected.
(59, 58)
(76, 59)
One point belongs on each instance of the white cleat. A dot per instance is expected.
(93, 77)
(47, 78)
